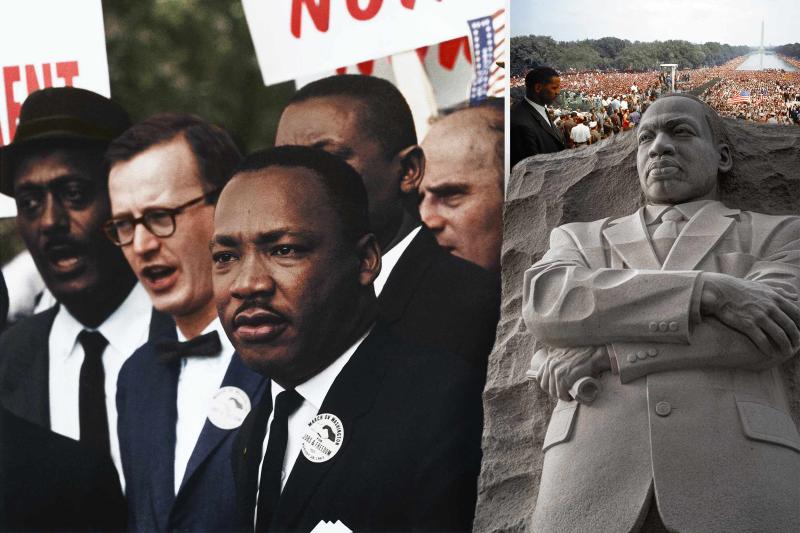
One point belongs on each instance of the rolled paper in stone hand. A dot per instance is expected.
(584, 390)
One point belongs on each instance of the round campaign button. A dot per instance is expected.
(229, 407)
(323, 438)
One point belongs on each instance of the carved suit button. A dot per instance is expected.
(653, 326)
(631, 357)
(663, 408)
(652, 352)
(641, 355)
(673, 326)
(662, 326)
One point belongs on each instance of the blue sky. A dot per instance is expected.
(733, 22)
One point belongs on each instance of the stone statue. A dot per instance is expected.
(684, 313)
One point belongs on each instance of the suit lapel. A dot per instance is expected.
(544, 123)
(405, 276)
(211, 437)
(25, 390)
(162, 411)
(700, 235)
(350, 397)
(629, 239)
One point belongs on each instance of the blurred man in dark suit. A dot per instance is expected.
(532, 131)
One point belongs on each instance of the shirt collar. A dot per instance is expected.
(653, 212)
(316, 389)
(390, 259)
(125, 329)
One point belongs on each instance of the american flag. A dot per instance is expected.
(489, 45)
(741, 98)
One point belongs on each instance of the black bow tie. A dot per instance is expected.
(201, 346)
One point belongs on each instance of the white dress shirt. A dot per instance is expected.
(125, 330)
(580, 133)
(390, 259)
(540, 108)
(199, 379)
(313, 392)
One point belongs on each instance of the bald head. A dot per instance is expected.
(462, 190)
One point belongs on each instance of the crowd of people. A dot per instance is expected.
(610, 98)
(234, 338)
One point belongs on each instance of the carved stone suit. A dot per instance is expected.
(410, 454)
(531, 134)
(696, 417)
(146, 402)
(439, 300)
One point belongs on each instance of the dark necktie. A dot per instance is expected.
(206, 345)
(92, 393)
(269, 487)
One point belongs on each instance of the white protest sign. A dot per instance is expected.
(48, 43)
(300, 38)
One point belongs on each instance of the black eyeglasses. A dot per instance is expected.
(159, 221)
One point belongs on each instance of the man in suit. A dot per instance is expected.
(462, 190)
(684, 311)
(58, 369)
(366, 429)
(175, 440)
(425, 294)
(532, 132)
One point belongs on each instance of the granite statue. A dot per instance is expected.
(685, 313)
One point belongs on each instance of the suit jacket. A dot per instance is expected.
(439, 300)
(25, 362)
(410, 453)
(697, 415)
(51, 483)
(146, 402)
(531, 134)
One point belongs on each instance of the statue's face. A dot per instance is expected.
(678, 160)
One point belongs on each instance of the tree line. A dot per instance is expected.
(613, 53)
(791, 50)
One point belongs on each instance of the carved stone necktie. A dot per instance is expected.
(665, 234)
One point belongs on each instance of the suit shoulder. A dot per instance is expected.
(26, 333)
(428, 367)
(581, 232)
(138, 363)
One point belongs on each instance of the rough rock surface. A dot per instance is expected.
(582, 185)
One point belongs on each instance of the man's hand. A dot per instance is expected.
(754, 309)
(564, 366)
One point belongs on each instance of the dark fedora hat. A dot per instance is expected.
(63, 114)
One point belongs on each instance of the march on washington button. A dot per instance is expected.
(323, 438)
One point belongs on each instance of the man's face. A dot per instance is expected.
(175, 270)
(335, 124)
(285, 278)
(548, 92)
(678, 160)
(62, 203)
(462, 194)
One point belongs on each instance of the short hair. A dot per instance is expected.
(715, 123)
(541, 74)
(343, 184)
(213, 148)
(386, 112)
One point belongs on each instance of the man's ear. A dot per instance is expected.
(369, 254)
(412, 163)
(725, 158)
